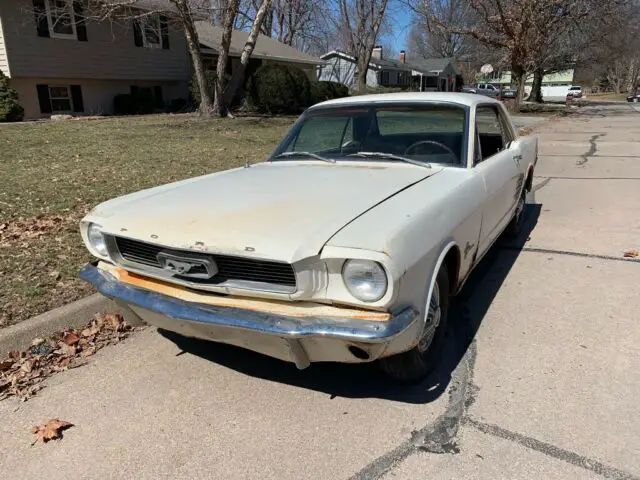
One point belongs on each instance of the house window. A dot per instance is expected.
(151, 31)
(384, 78)
(60, 19)
(60, 98)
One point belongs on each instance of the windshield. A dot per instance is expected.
(429, 133)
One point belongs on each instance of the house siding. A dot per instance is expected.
(4, 62)
(109, 53)
(343, 71)
(97, 95)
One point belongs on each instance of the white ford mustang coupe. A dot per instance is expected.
(345, 245)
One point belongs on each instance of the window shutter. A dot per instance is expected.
(81, 25)
(137, 33)
(40, 12)
(44, 99)
(164, 30)
(76, 98)
(157, 95)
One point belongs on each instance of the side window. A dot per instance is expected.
(490, 130)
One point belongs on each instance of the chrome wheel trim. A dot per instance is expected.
(432, 321)
(520, 208)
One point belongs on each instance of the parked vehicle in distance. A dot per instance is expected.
(633, 96)
(507, 94)
(486, 89)
(345, 245)
(575, 91)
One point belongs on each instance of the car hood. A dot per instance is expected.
(282, 211)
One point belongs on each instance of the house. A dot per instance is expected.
(556, 79)
(60, 63)
(266, 51)
(437, 74)
(421, 75)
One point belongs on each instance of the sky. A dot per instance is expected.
(400, 17)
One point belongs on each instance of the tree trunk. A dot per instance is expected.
(362, 76)
(536, 89)
(518, 77)
(219, 104)
(193, 44)
(237, 76)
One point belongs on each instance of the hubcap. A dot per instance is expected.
(520, 208)
(432, 321)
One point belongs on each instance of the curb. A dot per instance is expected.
(73, 315)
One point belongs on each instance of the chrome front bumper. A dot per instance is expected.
(300, 340)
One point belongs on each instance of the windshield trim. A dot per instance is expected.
(464, 153)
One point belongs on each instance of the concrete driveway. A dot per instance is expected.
(541, 378)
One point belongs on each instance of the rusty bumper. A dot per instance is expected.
(298, 339)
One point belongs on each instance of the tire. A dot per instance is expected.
(414, 365)
(515, 225)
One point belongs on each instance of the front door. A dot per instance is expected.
(499, 170)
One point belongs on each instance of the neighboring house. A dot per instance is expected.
(59, 64)
(266, 51)
(557, 79)
(437, 74)
(422, 75)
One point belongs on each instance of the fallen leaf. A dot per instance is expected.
(6, 365)
(37, 341)
(54, 274)
(90, 332)
(631, 254)
(71, 339)
(52, 430)
(27, 366)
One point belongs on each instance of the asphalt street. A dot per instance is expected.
(541, 376)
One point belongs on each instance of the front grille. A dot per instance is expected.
(230, 268)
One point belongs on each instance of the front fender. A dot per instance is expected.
(418, 283)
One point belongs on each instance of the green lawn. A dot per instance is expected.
(53, 172)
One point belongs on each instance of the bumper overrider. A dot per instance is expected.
(299, 339)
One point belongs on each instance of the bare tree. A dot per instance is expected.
(359, 24)
(225, 92)
(612, 46)
(432, 30)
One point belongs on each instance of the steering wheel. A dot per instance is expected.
(430, 142)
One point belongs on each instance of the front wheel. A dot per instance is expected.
(515, 225)
(414, 365)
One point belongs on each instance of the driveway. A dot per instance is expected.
(541, 378)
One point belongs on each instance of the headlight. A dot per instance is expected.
(96, 239)
(365, 279)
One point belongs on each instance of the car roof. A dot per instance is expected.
(464, 99)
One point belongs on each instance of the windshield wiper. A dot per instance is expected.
(391, 156)
(305, 154)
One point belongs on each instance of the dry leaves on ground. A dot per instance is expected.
(30, 228)
(631, 254)
(22, 373)
(52, 430)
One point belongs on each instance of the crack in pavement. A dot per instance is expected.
(586, 178)
(540, 185)
(438, 436)
(592, 149)
(551, 450)
(568, 253)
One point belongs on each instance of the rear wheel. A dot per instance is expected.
(415, 364)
